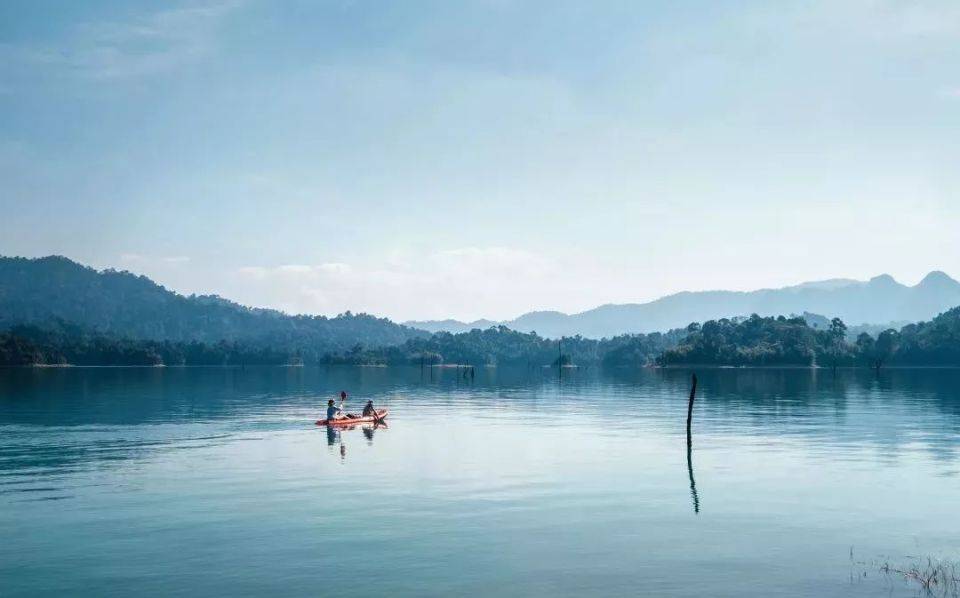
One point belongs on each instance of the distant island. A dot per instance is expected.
(54, 311)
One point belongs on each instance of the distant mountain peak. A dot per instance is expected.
(880, 300)
(883, 279)
(938, 278)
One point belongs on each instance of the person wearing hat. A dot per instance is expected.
(334, 412)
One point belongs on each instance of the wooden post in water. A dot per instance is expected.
(693, 393)
(693, 483)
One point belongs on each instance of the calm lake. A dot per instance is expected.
(215, 482)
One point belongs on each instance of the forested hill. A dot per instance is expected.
(45, 291)
(753, 341)
(758, 341)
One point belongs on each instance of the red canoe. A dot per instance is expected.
(351, 421)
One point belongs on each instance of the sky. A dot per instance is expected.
(425, 160)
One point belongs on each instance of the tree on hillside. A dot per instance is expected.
(751, 341)
(866, 348)
(837, 333)
(886, 346)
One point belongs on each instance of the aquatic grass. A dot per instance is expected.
(936, 577)
(933, 576)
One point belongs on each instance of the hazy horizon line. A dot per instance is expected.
(184, 259)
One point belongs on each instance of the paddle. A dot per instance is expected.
(343, 397)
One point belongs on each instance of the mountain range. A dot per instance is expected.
(54, 290)
(879, 300)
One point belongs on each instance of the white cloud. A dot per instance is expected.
(147, 45)
(335, 268)
(469, 282)
(931, 18)
(888, 19)
(253, 272)
(295, 269)
(140, 262)
(131, 258)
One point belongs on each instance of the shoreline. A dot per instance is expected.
(61, 366)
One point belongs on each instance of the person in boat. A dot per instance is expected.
(334, 412)
(339, 413)
(368, 409)
(343, 397)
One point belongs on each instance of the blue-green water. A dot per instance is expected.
(215, 482)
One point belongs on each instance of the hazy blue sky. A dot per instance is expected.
(467, 159)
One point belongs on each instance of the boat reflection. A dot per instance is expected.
(335, 434)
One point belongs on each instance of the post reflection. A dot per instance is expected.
(693, 483)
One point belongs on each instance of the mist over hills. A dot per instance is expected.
(56, 289)
(880, 300)
(50, 290)
(454, 326)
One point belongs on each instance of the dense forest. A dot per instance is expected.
(753, 341)
(69, 344)
(54, 311)
(761, 341)
(757, 341)
(36, 292)
(501, 346)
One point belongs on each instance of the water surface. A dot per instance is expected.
(214, 481)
